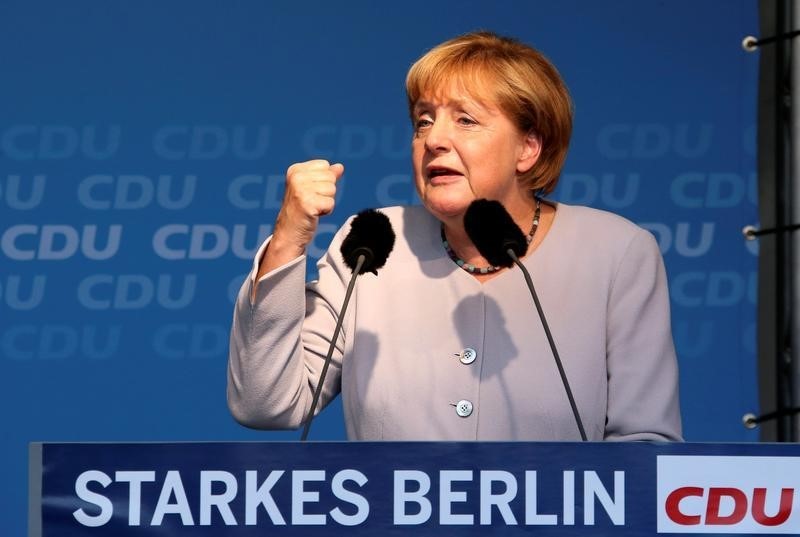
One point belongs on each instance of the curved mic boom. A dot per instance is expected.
(365, 249)
(500, 240)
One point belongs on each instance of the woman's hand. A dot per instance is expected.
(310, 193)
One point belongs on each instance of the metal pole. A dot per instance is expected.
(778, 263)
(794, 132)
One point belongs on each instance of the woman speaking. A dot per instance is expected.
(441, 344)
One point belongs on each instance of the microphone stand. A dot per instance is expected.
(328, 358)
(561, 372)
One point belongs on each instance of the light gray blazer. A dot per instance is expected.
(601, 282)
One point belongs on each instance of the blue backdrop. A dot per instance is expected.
(142, 152)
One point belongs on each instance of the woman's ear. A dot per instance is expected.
(531, 150)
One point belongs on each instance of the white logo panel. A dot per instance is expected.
(707, 494)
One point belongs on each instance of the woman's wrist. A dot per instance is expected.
(278, 253)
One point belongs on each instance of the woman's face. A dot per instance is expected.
(465, 149)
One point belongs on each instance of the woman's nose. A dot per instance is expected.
(438, 137)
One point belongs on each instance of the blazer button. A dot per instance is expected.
(467, 356)
(463, 408)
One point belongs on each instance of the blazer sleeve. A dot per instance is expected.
(279, 339)
(643, 401)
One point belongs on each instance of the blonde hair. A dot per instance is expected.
(519, 79)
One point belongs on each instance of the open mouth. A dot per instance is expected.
(441, 171)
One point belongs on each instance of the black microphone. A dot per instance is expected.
(493, 232)
(365, 249)
(370, 235)
(500, 240)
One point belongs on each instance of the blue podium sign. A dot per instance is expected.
(413, 488)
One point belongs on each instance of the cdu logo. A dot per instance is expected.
(730, 495)
(59, 142)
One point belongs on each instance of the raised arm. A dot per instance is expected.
(281, 330)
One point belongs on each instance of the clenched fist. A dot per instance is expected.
(310, 193)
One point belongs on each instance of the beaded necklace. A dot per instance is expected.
(472, 269)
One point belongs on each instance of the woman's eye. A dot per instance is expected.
(466, 120)
(423, 122)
